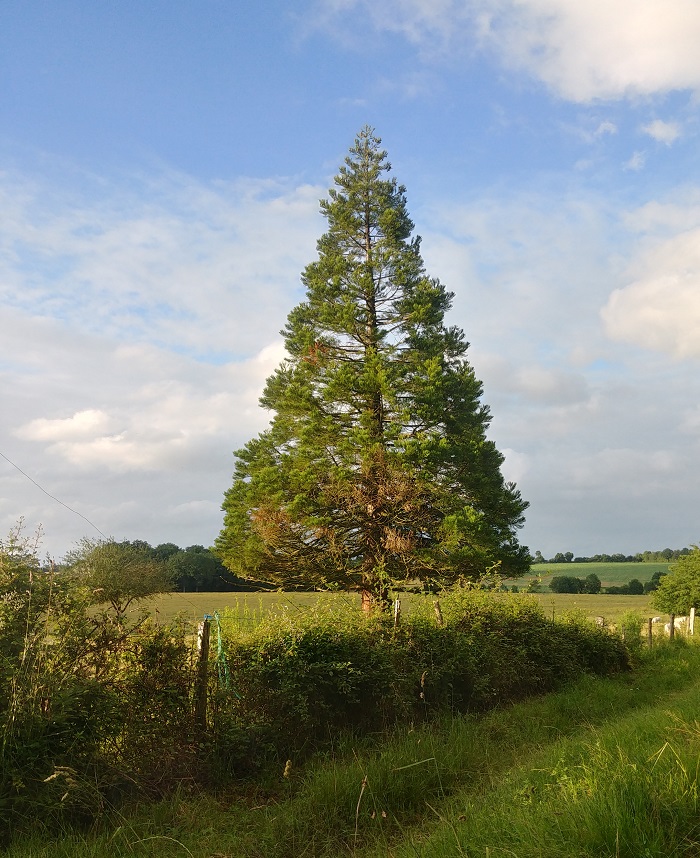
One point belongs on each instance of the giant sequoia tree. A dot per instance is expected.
(376, 468)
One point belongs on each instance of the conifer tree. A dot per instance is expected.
(375, 468)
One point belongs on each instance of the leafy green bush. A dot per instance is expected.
(92, 704)
(302, 677)
(679, 591)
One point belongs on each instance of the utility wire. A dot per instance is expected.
(48, 494)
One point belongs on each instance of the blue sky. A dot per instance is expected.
(160, 171)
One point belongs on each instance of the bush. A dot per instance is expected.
(301, 677)
(565, 584)
(96, 704)
(630, 627)
(92, 704)
(680, 589)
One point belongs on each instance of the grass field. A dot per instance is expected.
(247, 608)
(610, 607)
(610, 574)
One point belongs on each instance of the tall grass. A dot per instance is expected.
(606, 767)
(627, 787)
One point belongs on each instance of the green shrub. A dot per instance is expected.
(97, 704)
(92, 706)
(300, 677)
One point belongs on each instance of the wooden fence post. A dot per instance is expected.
(650, 633)
(438, 614)
(397, 612)
(202, 680)
(672, 627)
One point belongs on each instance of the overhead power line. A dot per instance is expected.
(48, 494)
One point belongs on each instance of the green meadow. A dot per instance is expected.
(610, 574)
(246, 609)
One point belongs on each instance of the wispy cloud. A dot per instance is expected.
(139, 326)
(179, 264)
(604, 128)
(636, 162)
(132, 419)
(663, 132)
(582, 51)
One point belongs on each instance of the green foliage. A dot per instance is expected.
(630, 789)
(631, 588)
(630, 627)
(196, 568)
(609, 573)
(571, 584)
(568, 773)
(118, 573)
(96, 703)
(301, 675)
(92, 705)
(591, 584)
(641, 557)
(666, 555)
(653, 583)
(680, 590)
(376, 468)
(565, 584)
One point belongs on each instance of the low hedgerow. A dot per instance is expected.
(94, 705)
(298, 678)
(98, 704)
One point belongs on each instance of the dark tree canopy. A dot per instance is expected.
(376, 468)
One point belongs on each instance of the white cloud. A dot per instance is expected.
(690, 422)
(139, 322)
(636, 162)
(582, 50)
(663, 132)
(660, 308)
(599, 50)
(429, 26)
(129, 425)
(515, 466)
(166, 421)
(630, 471)
(82, 424)
(534, 384)
(194, 268)
(606, 127)
(664, 218)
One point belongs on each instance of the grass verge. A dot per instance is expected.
(625, 787)
(606, 767)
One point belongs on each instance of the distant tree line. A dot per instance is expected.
(664, 556)
(192, 569)
(592, 584)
